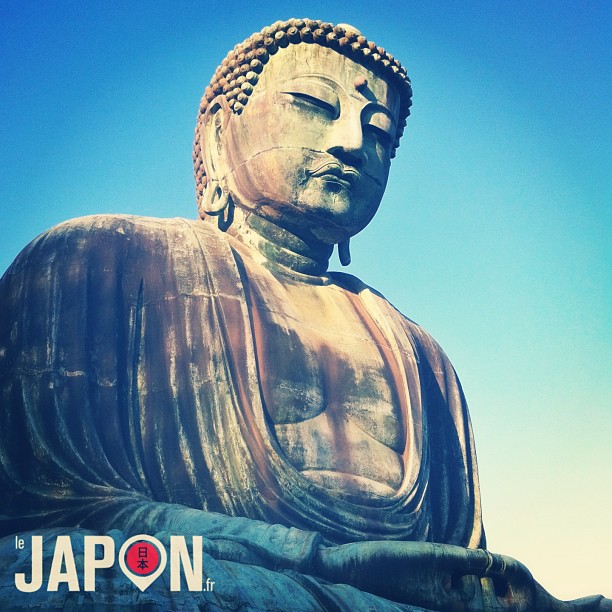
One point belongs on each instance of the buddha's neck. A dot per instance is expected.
(279, 247)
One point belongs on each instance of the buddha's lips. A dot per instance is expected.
(333, 169)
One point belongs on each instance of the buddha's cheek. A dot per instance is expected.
(264, 178)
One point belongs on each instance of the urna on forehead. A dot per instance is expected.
(238, 74)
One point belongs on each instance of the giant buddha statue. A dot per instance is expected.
(210, 377)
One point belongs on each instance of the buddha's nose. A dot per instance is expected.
(345, 140)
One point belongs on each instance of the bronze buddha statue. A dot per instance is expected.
(212, 378)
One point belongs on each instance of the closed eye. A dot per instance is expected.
(330, 109)
(383, 136)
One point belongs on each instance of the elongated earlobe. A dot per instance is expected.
(214, 198)
(344, 252)
(226, 215)
(215, 195)
(216, 201)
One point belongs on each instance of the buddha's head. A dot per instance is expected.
(298, 126)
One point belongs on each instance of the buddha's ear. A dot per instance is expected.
(210, 133)
(210, 130)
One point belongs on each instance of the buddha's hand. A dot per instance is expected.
(441, 577)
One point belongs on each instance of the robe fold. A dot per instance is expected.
(129, 390)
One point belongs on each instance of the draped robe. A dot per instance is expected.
(130, 394)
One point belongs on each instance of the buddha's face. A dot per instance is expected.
(311, 150)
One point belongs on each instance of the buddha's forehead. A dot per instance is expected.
(314, 61)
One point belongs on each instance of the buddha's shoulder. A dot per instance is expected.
(126, 227)
(104, 237)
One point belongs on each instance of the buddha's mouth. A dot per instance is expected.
(336, 173)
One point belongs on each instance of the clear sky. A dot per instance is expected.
(494, 233)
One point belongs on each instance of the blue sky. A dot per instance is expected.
(493, 233)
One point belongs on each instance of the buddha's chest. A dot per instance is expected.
(328, 384)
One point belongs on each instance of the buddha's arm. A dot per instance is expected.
(443, 577)
(78, 447)
(236, 538)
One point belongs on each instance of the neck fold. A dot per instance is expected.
(280, 247)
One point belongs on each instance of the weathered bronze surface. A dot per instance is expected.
(211, 378)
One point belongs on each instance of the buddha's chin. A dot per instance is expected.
(319, 220)
(333, 217)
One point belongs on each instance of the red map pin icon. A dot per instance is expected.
(142, 559)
